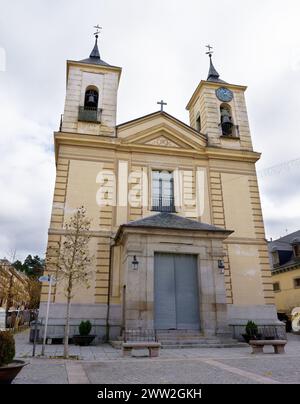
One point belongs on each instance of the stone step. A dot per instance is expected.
(208, 345)
(193, 344)
(178, 332)
(180, 337)
(188, 341)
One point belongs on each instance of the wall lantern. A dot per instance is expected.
(135, 263)
(221, 266)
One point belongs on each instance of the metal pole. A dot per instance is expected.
(47, 315)
(35, 332)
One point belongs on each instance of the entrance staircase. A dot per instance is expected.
(172, 339)
(179, 339)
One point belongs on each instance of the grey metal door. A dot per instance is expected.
(176, 301)
(164, 292)
(187, 301)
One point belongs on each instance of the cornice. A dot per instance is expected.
(113, 143)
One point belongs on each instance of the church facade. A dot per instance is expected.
(177, 230)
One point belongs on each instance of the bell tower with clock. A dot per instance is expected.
(218, 110)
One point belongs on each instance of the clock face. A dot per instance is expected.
(224, 94)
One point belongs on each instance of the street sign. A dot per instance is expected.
(44, 278)
(2, 319)
(47, 278)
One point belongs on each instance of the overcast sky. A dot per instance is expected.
(160, 44)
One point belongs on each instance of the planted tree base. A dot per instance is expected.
(83, 340)
(10, 371)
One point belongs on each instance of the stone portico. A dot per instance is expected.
(174, 235)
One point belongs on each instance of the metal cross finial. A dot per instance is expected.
(210, 52)
(162, 103)
(98, 28)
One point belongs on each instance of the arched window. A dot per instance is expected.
(91, 98)
(226, 120)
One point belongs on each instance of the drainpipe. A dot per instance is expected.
(112, 244)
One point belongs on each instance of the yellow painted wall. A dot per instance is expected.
(237, 205)
(245, 274)
(288, 297)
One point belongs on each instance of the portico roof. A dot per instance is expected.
(173, 222)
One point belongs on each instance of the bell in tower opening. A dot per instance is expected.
(91, 99)
(226, 120)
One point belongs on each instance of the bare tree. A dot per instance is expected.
(34, 291)
(73, 261)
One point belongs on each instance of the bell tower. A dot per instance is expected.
(218, 110)
(91, 95)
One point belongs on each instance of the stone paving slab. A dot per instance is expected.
(104, 364)
(284, 368)
(160, 372)
(43, 372)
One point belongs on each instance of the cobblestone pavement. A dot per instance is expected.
(105, 365)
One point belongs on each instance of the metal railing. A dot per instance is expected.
(266, 331)
(139, 335)
(163, 204)
(89, 114)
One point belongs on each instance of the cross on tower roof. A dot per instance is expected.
(98, 28)
(162, 103)
(210, 52)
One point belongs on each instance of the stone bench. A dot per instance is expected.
(152, 346)
(258, 345)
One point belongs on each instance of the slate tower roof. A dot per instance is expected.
(213, 75)
(95, 58)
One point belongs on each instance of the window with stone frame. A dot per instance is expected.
(276, 287)
(297, 283)
(163, 191)
(296, 249)
(275, 258)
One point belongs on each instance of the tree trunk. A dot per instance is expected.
(9, 300)
(66, 340)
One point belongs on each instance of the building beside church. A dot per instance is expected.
(14, 289)
(177, 229)
(285, 264)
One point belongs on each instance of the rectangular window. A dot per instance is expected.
(198, 124)
(276, 287)
(297, 283)
(297, 250)
(275, 258)
(163, 191)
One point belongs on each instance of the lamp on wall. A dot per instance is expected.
(135, 263)
(221, 266)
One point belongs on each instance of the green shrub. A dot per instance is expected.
(7, 348)
(85, 327)
(251, 328)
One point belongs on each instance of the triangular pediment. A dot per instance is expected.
(161, 130)
(162, 141)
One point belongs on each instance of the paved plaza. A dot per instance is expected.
(105, 365)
